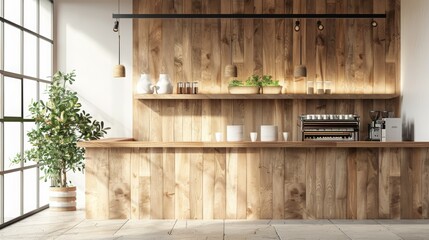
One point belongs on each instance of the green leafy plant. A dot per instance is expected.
(60, 124)
(236, 83)
(253, 81)
(267, 81)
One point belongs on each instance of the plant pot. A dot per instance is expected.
(62, 198)
(272, 90)
(243, 90)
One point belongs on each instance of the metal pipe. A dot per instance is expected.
(253, 16)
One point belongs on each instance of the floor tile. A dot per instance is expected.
(73, 225)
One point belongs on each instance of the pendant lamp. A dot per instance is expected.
(118, 70)
(300, 71)
(230, 69)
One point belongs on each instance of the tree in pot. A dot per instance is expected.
(60, 124)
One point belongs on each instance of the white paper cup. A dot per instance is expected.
(218, 137)
(253, 136)
(285, 135)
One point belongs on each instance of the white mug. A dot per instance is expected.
(285, 135)
(218, 136)
(253, 136)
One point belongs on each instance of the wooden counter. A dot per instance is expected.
(130, 143)
(281, 180)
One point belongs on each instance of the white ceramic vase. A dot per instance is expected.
(268, 133)
(234, 133)
(164, 86)
(144, 84)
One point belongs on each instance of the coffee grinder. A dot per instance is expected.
(375, 127)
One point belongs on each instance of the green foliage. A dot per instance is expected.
(267, 81)
(253, 81)
(60, 124)
(235, 83)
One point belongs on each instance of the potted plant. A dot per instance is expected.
(250, 86)
(270, 86)
(60, 124)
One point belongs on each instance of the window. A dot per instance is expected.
(26, 64)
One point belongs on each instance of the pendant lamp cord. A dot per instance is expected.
(119, 47)
(300, 49)
(230, 40)
(119, 35)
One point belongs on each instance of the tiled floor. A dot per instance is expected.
(72, 225)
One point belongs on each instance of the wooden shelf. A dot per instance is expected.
(261, 96)
(289, 144)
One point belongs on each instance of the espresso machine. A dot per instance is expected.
(376, 126)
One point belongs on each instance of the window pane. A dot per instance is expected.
(12, 11)
(12, 195)
(27, 146)
(30, 189)
(45, 60)
(12, 97)
(12, 143)
(44, 191)
(2, 39)
(30, 96)
(46, 18)
(30, 55)
(30, 15)
(12, 49)
(1, 142)
(43, 94)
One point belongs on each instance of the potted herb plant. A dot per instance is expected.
(250, 86)
(270, 86)
(60, 124)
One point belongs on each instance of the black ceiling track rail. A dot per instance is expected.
(252, 16)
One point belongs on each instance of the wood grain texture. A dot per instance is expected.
(341, 174)
(220, 181)
(119, 183)
(196, 184)
(253, 183)
(208, 183)
(144, 183)
(97, 183)
(384, 163)
(135, 183)
(169, 184)
(174, 169)
(352, 55)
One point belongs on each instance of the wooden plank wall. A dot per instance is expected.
(263, 183)
(354, 56)
(313, 183)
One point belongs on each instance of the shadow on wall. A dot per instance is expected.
(408, 131)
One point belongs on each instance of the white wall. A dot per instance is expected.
(87, 44)
(415, 66)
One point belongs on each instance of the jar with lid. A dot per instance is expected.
(194, 87)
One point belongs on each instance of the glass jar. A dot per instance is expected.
(194, 87)
(319, 87)
(180, 88)
(188, 88)
(328, 88)
(310, 87)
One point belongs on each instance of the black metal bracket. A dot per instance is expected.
(251, 16)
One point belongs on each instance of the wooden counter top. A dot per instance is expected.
(129, 143)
